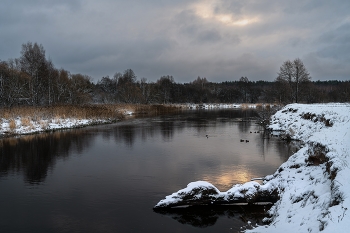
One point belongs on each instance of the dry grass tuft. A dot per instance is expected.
(57, 119)
(26, 122)
(12, 125)
(44, 124)
(244, 106)
(5, 114)
(259, 106)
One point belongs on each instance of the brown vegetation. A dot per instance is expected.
(314, 118)
(98, 111)
(12, 125)
(26, 122)
(32, 117)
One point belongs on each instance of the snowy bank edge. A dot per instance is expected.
(49, 125)
(300, 199)
(45, 126)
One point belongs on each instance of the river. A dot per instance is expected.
(108, 178)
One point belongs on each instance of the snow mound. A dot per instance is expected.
(199, 190)
(204, 193)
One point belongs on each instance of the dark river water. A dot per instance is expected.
(108, 178)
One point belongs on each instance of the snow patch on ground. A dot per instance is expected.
(25, 125)
(19, 127)
(219, 106)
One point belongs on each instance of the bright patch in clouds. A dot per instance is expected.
(206, 10)
(218, 39)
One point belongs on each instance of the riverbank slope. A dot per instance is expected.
(313, 186)
(314, 183)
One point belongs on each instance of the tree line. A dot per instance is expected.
(32, 79)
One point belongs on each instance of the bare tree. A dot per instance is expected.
(33, 62)
(146, 91)
(296, 75)
(108, 86)
(302, 77)
(201, 90)
(3, 75)
(244, 85)
(80, 89)
(62, 86)
(165, 87)
(13, 83)
(127, 89)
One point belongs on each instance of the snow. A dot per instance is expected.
(201, 190)
(29, 126)
(43, 125)
(314, 193)
(217, 106)
(313, 185)
(189, 190)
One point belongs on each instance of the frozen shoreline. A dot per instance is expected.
(313, 185)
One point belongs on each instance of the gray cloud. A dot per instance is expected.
(331, 58)
(337, 43)
(326, 69)
(186, 39)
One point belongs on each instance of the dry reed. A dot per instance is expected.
(12, 125)
(26, 122)
(44, 124)
(97, 111)
(57, 119)
(244, 106)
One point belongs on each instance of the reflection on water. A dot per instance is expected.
(202, 217)
(107, 178)
(34, 155)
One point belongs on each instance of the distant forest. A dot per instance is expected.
(32, 79)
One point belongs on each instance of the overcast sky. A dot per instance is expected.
(221, 40)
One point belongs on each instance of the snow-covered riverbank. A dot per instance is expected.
(29, 125)
(20, 126)
(313, 185)
(38, 120)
